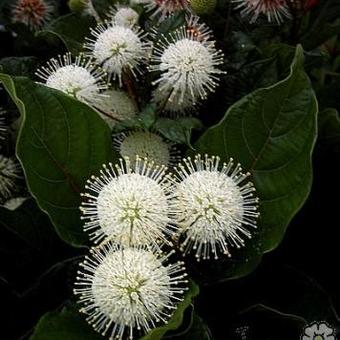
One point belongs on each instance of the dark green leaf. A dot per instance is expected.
(62, 142)
(71, 29)
(271, 132)
(143, 121)
(68, 324)
(198, 330)
(179, 130)
(171, 23)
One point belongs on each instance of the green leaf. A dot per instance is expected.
(179, 130)
(271, 132)
(198, 330)
(177, 318)
(71, 29)
(67, 324)
(61, 143)
(144, 121)
(171, 23)
(29, 223)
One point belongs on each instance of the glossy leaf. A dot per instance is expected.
(67, 324)
(71, 29)
(271, 132)
(62, 142)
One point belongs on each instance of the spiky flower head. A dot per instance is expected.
(147, 145)
(124, 290)
(9, 173)
(115, 106)
(118, 49)
(274, 10)
(130, 203)
(215, 206)
(80, 78)
(123, 16)
(32, 13)
(164, 8)
(187, 65)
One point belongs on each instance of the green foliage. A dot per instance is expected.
(277, 152)
(65, 324)
(61, 143)
(71, 29)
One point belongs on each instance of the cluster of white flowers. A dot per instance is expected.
(185, 64)
(136, 208)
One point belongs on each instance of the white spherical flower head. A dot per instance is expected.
(187, 65)
(123, 290)
(115, 106)
(274, 10)
(9, 172)
(124, 16)
(215, 206)
(80, 79)
(32, 13)
(130, 204)
(118, 49)
(146, 145)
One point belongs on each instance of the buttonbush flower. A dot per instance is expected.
(130, 203)
(215, 206)
(146, 145)
(32, 13)
(9, 172)
(118, 49)
(123, 16)
(164, 8)
(187, 65)
(80, 78)
(274, 10)
(127, 289)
